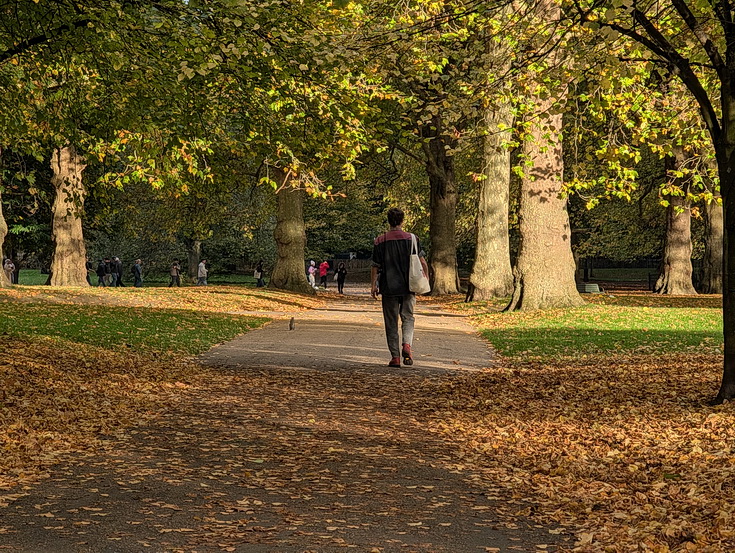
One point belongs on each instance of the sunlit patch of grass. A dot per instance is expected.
(141, 329)
(596, 329)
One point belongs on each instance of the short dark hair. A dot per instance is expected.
(395, 216)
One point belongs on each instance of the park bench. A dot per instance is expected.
(587, 288)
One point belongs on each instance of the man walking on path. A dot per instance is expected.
(119, 271)
(108, 272)
(389, 278)
(101, 273)
(202, 273)
(175, 274)
(138, 273)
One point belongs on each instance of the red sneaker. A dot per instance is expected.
(407, 359)
(395, 362)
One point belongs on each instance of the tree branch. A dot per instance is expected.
(409, 153)
(43, 38)
(659, 45)
(704, 39)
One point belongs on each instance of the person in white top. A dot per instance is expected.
(202, 273)
(9, 268)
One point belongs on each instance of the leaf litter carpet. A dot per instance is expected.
(297, 441)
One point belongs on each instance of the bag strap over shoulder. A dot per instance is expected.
(414, 247)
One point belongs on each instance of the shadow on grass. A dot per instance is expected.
(656, 301)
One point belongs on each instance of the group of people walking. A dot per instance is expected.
(110, 272)
(340, 274)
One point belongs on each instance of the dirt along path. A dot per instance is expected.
(303, 441)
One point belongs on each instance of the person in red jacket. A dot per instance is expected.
(323, 270)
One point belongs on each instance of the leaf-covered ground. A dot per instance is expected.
(80, 363)
(267, 458)
(220, 299)
(593, 423)
(621, 450)
(57, 396)
(597, 419)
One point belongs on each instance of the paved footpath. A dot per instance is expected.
(304, 441)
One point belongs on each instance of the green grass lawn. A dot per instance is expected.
(33, 277)
(604, 329)
(140, 329)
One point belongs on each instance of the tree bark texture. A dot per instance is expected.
(290, 234)
(4, 282)
(194, 256)
(544, 271)
(443, 211)
(492, 275)
(68, 265)
(712, 262)
(727, 185)
(676, 263)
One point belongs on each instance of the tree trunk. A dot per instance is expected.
(68, 265)
(4, 282)
(443, 211)
(727, 186)
(290, 234)
(676, 264)
(492, 276)
(544, 271)
(712, 262)
(194, 256)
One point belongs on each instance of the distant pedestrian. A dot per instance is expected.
(258, 274)
(90, 267)
(323, 270)
(202, 273)
(108, 271)
(138, 273)
(341, 274)
(119, 271)
(101, 273)
(389, 278)
(175, 274)
(113, 271)
(9, 268)
(311, 272)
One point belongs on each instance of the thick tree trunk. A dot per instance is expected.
(676, 264)
(492, 275)
(544, 271)
(290, 234)
(193, 256)
(4, 282)
(443, 211)
(727, 186)
(712, 262)
(68, 265)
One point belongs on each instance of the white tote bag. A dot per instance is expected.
(417, 281)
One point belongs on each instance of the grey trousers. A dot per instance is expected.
(393, 307)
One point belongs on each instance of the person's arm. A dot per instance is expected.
(424, 266)
(374, 281)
